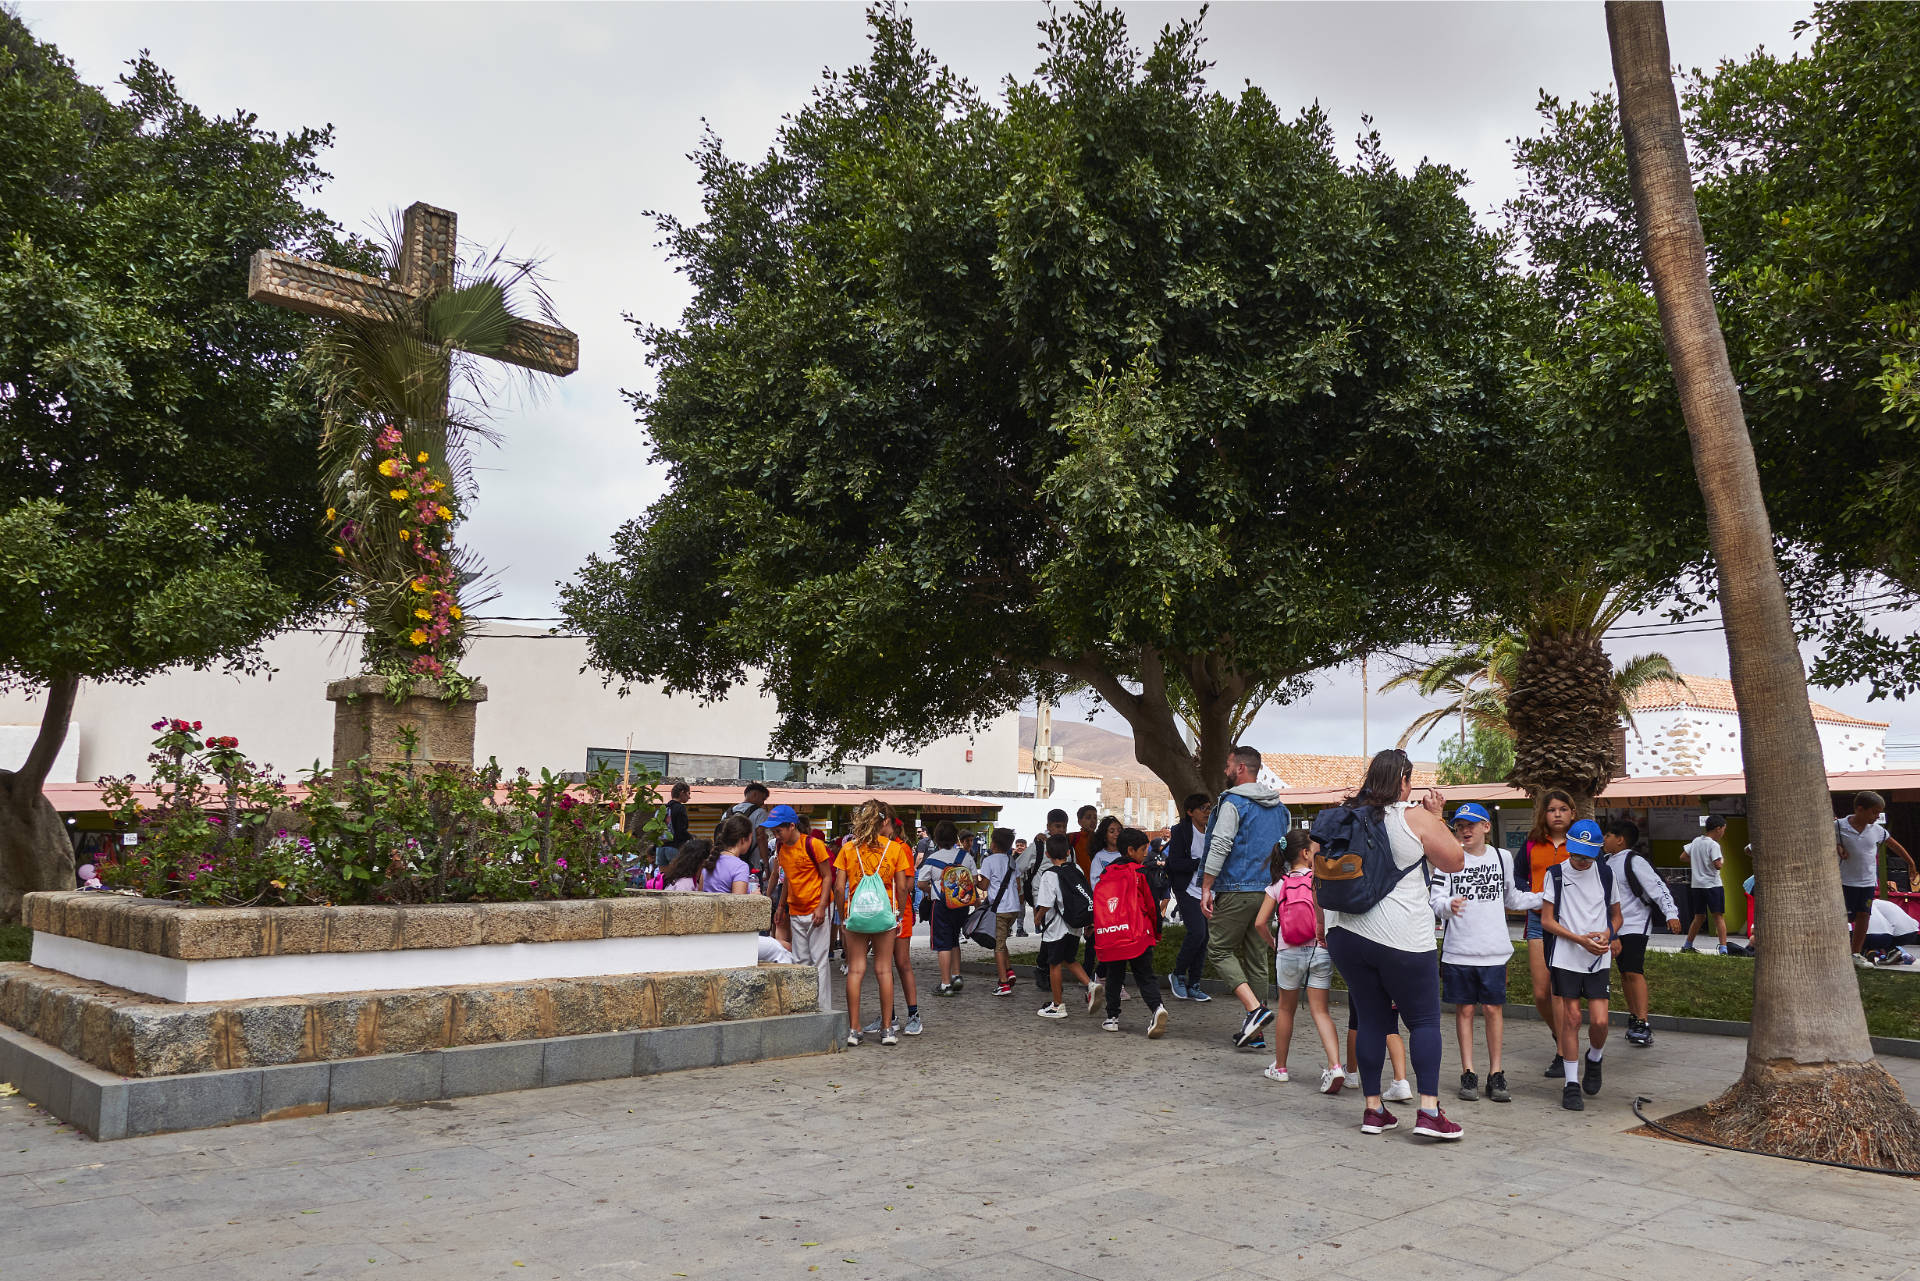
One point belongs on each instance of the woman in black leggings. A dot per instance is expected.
(1387, 954)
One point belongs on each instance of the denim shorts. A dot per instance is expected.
(1305, 966)
(1533, 930)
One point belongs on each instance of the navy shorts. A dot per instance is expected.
(1473, 984)
(947, 924)
(1580, 986)
(1859, 898)
(1712, 900)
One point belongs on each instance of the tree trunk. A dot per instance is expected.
(1157, 743)
(1811, 1087)
(1561, 712)
(35, 850)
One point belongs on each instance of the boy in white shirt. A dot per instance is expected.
(1858, 839)
(1708, 896)
(1581, 920)
(1473, 903)
(1642, 893)
(1059, 942)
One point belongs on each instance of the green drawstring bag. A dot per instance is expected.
(869, 908)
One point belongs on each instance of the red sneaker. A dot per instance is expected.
(1434, 1125)
(1379, 1119)
(1005, 989)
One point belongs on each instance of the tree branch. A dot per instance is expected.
(61, 694)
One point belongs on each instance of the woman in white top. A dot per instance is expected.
(1386, 954)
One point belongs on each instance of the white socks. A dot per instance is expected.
(1594, 1052)
(1572, 1067)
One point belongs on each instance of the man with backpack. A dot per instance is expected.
(1248, 823)
(754, 810)
(1062, 907)
(1642, 893)
(1473, 904)
(1126, 926)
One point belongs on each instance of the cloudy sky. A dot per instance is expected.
(553, 127)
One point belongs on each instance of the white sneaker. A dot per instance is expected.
(1157, 1028)
(1398, 1092)
(1052, 1011)
(1095, 991)
(1861, 963)
(1110, 1025)
(1332, 1080)
(1273, 1073)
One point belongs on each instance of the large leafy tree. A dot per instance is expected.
(1120, 382)
(1809, 198)
(159, 498)
(1810, 1087)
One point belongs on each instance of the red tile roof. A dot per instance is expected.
(1715, 694)
(1305, 770)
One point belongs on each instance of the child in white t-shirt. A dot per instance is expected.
(1472, 904)
(1290, 907)
(1581, 919)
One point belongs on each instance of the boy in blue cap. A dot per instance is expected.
(1473, 903)
(1581, 920)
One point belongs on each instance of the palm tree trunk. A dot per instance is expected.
(1811, 1087)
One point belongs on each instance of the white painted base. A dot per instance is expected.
(242, 978)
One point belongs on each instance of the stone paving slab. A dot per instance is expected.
(996, 1146)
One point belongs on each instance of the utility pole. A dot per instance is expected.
(1363, 708)
(1043, 751)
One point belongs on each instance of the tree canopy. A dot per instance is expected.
(1809, 195)
(1117, 378)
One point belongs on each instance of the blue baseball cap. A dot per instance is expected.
(1583, 838)
(780, 814)
(1471, 813)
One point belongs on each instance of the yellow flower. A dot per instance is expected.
(330, 513)
(397, 495)
(422, 613)
(419, 637)
(392, 467)
(405, 534)
(351, 602)
(431, 487)
(338, 550)
(444, 513)
(422, 457)
(455, 612)
(419, 584)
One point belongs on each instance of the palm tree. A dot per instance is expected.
(1810, 1087)
(409, 389)
(1481, 682)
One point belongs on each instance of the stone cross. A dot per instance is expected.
(426, 263)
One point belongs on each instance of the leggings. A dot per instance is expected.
(1379, 978)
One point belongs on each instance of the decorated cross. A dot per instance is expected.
(426, 265)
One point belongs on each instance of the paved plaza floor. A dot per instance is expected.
(997, 1145)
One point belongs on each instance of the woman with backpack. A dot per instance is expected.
(1372, 847)
(1293, 925)
(871, 882)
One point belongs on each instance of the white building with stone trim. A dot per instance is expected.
(1694, 728)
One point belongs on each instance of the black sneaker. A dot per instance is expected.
(1497, 1088)
(1570, 1098)
(1556, 1068)
(1639, 1033)
(1590, 1079)
(1469, 1086)
(1251, 1025)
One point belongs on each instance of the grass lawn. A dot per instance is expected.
(1695, 986)
(14, 942)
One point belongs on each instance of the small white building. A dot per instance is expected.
(541, 710)
(1694, 728)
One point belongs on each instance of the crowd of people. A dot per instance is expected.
(1266, 905)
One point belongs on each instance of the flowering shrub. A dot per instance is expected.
(397, 833)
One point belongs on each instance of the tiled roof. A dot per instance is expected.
(1061, 769)
(1715, 694)
(1305, 770)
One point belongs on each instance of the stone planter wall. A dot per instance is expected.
(366, 722)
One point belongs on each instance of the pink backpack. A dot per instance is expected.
(1297, 923)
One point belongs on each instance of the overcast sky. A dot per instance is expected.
(553, 127)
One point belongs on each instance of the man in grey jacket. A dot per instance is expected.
(1248, 823)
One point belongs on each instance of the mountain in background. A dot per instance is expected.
(1100, 750)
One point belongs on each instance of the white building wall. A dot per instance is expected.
(541, 710)
(17, 740)
(1695, 741)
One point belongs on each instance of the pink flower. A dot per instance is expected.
(159, 724)
(560, 863)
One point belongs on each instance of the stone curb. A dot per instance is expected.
(107, 1106)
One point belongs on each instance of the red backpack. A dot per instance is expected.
(1123, 916)
(1298, 925)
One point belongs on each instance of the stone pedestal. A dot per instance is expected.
(366, 722)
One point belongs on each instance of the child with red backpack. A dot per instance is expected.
(1126, 926)
(1292, 924)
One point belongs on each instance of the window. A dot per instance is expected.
(888, 776)
(752, 771)
(615, 758)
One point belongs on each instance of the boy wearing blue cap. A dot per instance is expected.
(1581, 921)
(1473, 903)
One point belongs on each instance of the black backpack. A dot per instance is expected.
(1354, 869)
(1076, 896)
(1633, 883)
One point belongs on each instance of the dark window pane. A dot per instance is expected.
(887, 776)
(615, 758)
